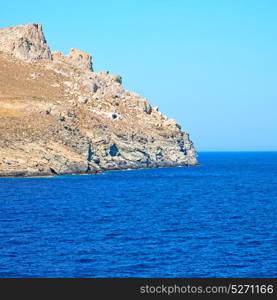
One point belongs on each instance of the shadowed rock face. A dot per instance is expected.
(57, 116)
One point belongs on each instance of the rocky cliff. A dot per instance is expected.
(58, 116)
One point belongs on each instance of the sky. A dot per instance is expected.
(211, 65)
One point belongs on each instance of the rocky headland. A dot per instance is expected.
(58, 116)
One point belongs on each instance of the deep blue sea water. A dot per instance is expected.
(215, 220)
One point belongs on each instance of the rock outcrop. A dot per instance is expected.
(57, 116)
(76, 58)
(26, 42)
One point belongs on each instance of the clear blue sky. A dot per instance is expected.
(210, 64)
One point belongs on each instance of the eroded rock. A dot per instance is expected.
(57, 116)
(26, 42)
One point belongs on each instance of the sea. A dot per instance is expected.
(218, 219)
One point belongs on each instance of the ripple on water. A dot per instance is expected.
(216, 220)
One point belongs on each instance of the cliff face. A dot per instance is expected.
(26, 42)
(57, 116)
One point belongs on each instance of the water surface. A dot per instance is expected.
(215, 220)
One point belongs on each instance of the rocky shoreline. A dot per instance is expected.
(50, 174)
(58, 116)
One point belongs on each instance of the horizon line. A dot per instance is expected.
(236, 151)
